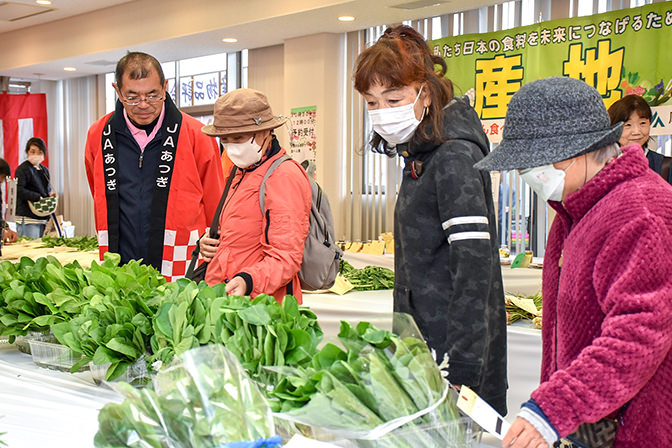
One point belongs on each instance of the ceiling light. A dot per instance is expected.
(230, 40)
(346, 19)
(43, 2)
(70, 69)
(419, 4)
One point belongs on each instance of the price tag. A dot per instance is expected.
(482, 413)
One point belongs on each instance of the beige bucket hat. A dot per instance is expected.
(241, 111)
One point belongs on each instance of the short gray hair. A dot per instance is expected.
(606, 153)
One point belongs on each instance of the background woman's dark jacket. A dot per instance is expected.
(32, 184)
(660, 164)
(447, 270)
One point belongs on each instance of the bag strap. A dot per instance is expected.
(262, 187)
(48, 178)
(57, 226)
(214, 227)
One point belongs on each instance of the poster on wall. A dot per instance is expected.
(619, 53)
(303, 136)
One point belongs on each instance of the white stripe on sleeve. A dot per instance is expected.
(465, 220)
(468, 236)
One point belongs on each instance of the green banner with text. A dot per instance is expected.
(619, 53)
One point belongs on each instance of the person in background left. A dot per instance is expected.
(8, 235)
(32, 185)
(154, 176)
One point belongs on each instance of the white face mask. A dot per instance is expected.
(547, 181)
(35, 159)
(396, 124)
(244, 154)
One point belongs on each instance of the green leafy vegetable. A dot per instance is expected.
(368, 278)
(203, 399)
(82, 243)
(378, 378)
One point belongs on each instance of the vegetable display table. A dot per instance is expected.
(39, 405)
(32, 249)
(520, 281)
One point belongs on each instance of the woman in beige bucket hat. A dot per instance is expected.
(257, 253)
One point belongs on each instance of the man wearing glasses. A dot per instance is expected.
(156, 179)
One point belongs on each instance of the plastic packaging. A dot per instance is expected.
(384, 390)
(53, 356)
(203, 399)
(135, 374)
(457, 433)
(23, 342)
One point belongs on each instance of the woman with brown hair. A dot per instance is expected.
(635, 114)
(447, 272)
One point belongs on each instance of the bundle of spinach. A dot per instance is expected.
(37, 294)
(368, 278)
(181, 320)
(259, 332)
(265, 333)
(379, 378)
(82, 243)
(115, 326)
(203, 399)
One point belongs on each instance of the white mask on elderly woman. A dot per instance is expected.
(547, 181)
(245, 154)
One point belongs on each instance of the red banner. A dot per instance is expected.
(22, 117)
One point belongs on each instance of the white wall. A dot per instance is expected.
(266, 73)
(314, 70)
(308, 71)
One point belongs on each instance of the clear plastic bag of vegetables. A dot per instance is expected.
(382, 389)
(203, 399)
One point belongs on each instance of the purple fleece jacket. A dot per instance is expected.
(607, 313)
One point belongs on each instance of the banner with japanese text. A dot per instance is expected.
(303, 138)
(619, 53)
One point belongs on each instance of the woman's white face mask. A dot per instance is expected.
(244, 154)
(35, 159)
(547, 181)
(396, 124)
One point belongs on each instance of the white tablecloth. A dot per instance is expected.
(41, 407)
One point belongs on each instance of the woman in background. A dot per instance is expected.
(635, 114)
(447, 271)
(32, 185)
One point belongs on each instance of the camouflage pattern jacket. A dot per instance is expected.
(447, 271)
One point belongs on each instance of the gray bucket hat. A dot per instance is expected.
(551, 120)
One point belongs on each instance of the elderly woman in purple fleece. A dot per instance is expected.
(606, 375)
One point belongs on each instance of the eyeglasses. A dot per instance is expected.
(134, 100)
